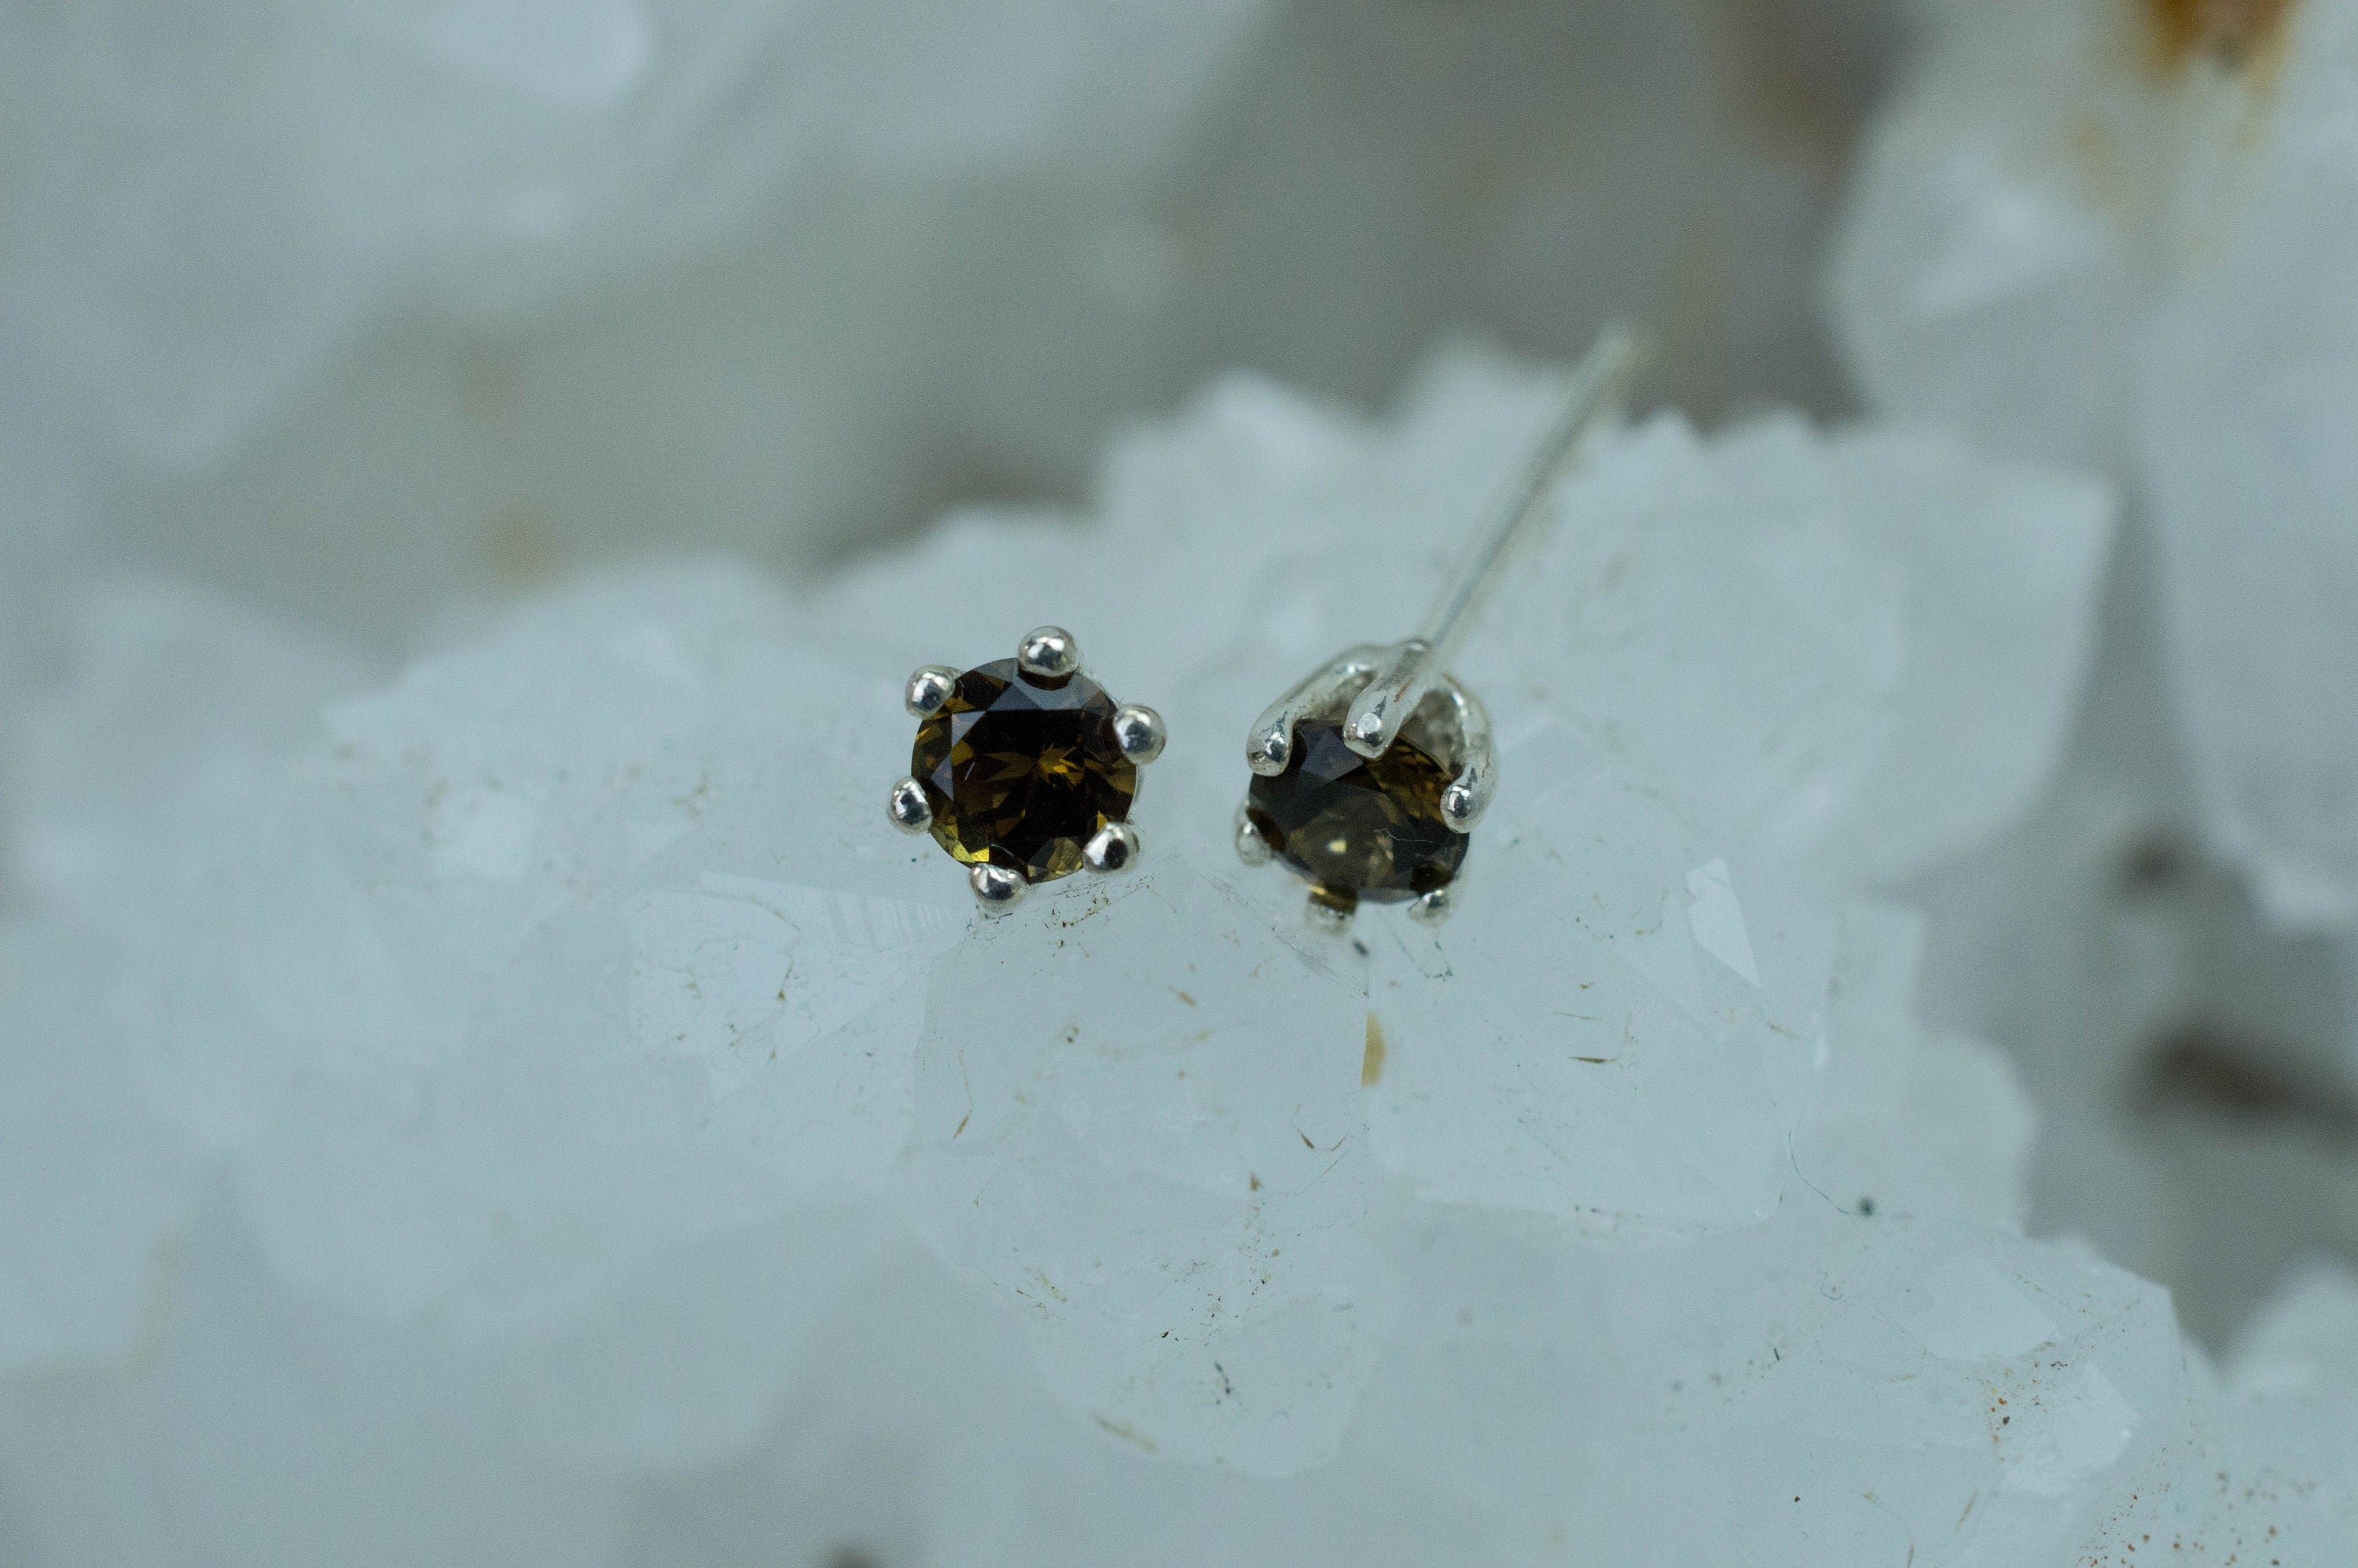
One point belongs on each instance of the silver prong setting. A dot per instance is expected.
(1461, 805)
(909, 809)
(1252, 847)
(1468, 794)
(928, 689)
(997, 889)
(1139, 730)
(1048, 654)
(1112, 847)
(1049, 660)
(1382, 691)
(1269, 745)
(1389, 689)
(1399, 682)
(1325, 917)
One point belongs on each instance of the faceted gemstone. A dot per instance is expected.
(1357, 828)
(1022, 776)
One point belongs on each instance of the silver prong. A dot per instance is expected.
(909, 809)
(996, 888)
(1433, 908)
(1400, 678)
(1252, 849)
(1468, 794)
(1269, 745)
(1111, 848)
(1138, 730)
(1328, 917)
(1048, 654)
(928, 689)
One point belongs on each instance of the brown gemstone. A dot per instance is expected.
(1358, 828)
(1022, 776)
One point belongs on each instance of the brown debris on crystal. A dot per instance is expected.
(2228, 33)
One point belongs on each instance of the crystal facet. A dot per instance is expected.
(1022, 775)
(1358, 828)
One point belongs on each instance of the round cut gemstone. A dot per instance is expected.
(1022, 776)
(1358, 828)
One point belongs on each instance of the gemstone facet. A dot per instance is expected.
(1355, 827)
(1021, 773)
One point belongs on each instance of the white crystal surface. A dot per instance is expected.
(1621, 1035)
(97, 1186)
(2122, 235)
(289, 179)
(47, 517)
(1140, 1120)
(630, 1150)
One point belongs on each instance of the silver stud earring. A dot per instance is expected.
(1024, 770)
(1371, 773)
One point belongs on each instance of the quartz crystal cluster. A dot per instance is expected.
(2121, 232)
(526, 1106)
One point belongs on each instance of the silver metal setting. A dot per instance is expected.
(908, 809)
(1433, 908)
(1378, 689)
(1469, 794)
(997, 889)
(1327, 919)
(1113, 846)
(1251, 848)
(928, 689)
(1138, 730)
(1048, 654)
(1269, 747)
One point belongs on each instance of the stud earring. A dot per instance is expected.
(1024, 770)
(1371, 773)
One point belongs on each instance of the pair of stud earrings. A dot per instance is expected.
(1368, 775)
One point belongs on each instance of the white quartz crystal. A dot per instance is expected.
(1905, 1120)
(1618, 1030)
(45, 517)
(278, 180)
(624, 1147)
(2122, 234)
(1140, 1117)
(97, 1185)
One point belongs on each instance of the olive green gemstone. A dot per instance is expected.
(1355, 828)
(1022, 776)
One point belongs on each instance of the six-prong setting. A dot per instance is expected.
(1433, 908)
(1024, 770)
(1252, 849)
(1049, 654)
(928, 689)
(1371, 770)
(996, 888)
(1114, 846)
(908, 809)
(1385, 825)
(1138, 730)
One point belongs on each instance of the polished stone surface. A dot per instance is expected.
(1358, 828)
(1020, 775)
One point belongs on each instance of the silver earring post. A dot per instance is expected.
(1382, 688)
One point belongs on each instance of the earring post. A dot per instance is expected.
(1407, 670)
